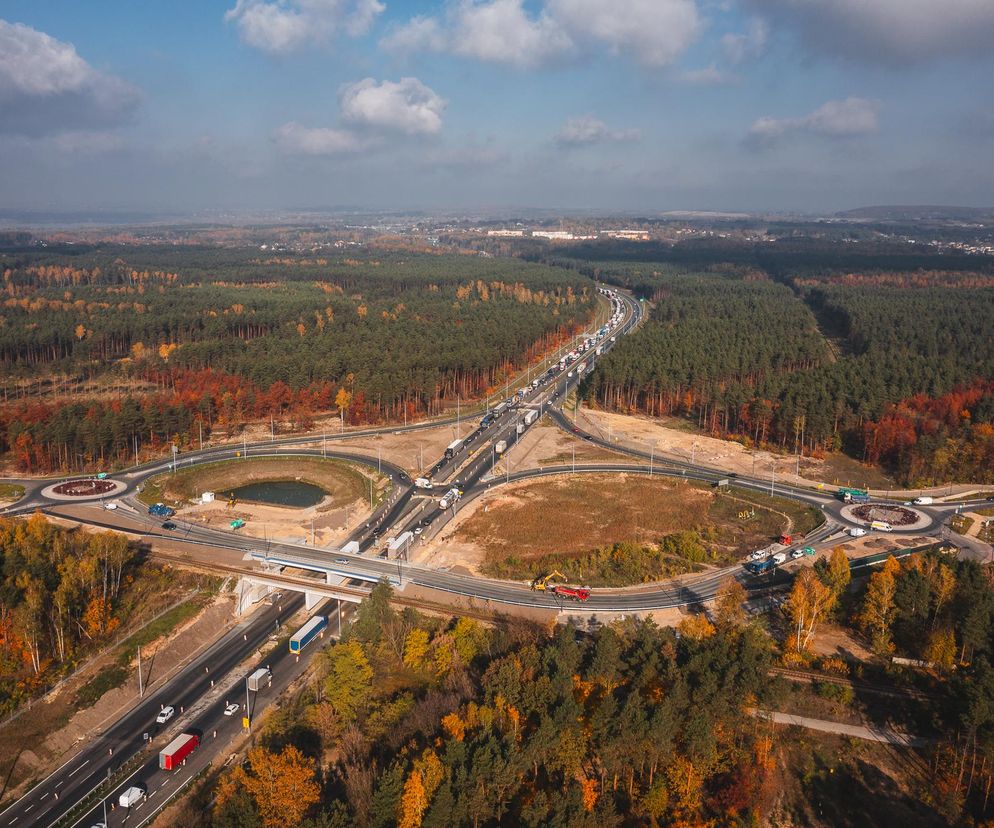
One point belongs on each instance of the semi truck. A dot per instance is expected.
(848, 495)
(519, 429)
(761, 567)
(530, 416)
(450, 497)
(571, 593)
(306, 634)
(259, 679)
(501, 446)
(173, 754)
(452, 448)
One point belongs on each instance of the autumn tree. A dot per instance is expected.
(877, 613)
(282, 785)
(349, 679)
(808, 603)
(729, 604)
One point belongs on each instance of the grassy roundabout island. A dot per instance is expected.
(342, 482)
(619, 530)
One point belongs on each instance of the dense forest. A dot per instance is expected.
(817, 361)
(60, 594)
(414, 721)
(193, 338)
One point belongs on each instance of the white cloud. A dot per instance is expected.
(749, 44)
(46, 86)
(282, 26)
(835, 119)
(903, 31)
(295, 138)
(654, 32)
(407, 105)
(501, 31)
(708, 76)
(587, 129)
(419, 34)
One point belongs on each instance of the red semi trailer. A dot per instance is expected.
(173, 754)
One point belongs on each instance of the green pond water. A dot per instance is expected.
(279, 493)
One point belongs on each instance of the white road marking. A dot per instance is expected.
(28, 808)
(87, 762)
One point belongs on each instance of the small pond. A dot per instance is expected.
(278, 493)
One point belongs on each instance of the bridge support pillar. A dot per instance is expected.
(311, 600)
(249, 593)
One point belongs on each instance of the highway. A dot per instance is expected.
(190, 690)
(470, 470)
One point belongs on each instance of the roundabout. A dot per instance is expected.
(82, 489)
(900, 518)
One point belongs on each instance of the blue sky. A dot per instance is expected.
(625, 105)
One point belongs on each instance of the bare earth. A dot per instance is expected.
(49, 748)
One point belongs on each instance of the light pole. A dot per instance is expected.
(773, 477)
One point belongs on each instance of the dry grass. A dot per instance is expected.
(343, 483)
(568, 516)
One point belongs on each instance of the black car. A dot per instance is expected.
(169, 525)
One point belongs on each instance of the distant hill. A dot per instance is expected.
(920, 213)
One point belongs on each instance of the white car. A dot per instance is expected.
(759, 553)
(856, 532)
(164, 715)
(231, 709)
(110, 506)
(797, 553)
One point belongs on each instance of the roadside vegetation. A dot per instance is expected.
(11, 491)
(66, 594)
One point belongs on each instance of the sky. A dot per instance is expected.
(614, 105)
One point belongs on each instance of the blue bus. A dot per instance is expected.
(306, 634)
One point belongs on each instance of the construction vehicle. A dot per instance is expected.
(542, 582)
(571, 593)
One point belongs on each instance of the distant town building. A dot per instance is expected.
(505, 232)
(630, 235)
(554, 235)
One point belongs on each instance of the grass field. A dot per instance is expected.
(562, 520)
(11, 491)
(340, 480)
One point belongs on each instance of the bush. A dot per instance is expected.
(843, 694)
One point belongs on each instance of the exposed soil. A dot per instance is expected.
(894, 515)
(326, 523)
(88, 487)
(572, 514)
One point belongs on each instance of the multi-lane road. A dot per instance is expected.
(407, 507)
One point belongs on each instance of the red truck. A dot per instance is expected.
(572, 593)
(173, 754)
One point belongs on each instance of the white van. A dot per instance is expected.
(132, 796)
(856, 531)
(881, 526)
(923, 501)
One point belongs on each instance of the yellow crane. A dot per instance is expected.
(542, 583)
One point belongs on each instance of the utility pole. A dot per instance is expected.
(201, 424)
(379, 461)
(141, 686)
(652, 456)
(324, 445)
(248, 708)
(773, 476)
